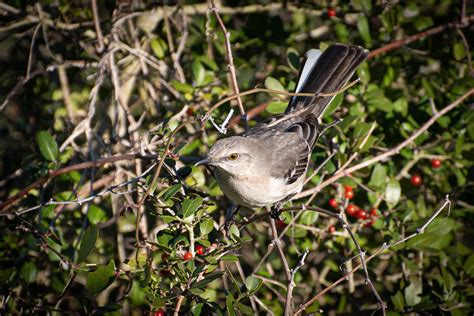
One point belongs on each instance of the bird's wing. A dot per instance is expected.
(291, 149)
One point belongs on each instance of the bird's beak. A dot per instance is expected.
(204, 161)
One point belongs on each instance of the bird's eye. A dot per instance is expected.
(233, 156)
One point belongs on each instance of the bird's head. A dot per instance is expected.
(233, 155)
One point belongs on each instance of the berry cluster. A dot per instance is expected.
(416, 180)
(353, 210)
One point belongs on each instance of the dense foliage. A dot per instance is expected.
(88, 110)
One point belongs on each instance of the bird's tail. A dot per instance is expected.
(325, 72)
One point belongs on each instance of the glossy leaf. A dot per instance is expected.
(393, 192)
(89, 239)
(100, 278)
(47, 145)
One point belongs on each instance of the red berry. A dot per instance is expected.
(351, 209)
(159, 312)
(435, 163)
(416, 180)
(164, 257)
(331, 12)
(199, 249)
(188, 256)
(361, 214)
(280, 224)
(333, 203)
(349, 194)
(373, 212)
(331, 229)
(190, 112)
(347, 188)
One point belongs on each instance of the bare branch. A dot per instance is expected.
(230, 60)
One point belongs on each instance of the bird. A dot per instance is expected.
(266, 165)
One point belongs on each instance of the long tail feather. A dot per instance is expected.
(325, 73)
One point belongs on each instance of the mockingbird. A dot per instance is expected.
(266, 165)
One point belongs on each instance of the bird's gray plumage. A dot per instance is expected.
(275, 155)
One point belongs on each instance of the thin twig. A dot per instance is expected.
(276, 241)
(98, 30)
(230, 60)
(291, 283)
(31, 54)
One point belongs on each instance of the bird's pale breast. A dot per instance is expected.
(253, 191)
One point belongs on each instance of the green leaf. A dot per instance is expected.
(234, 231)
(6, 275)
(293, 58)
(247, 310)
(47, 145)
(96, 215)
(101, 278)
(429, 241)
(170, 192)
(190, 206)
(363, 27)
(376, 99)
(335, 103)
(208, 279)
(230, 258)
(393, 192)
(277, 107)
(309, 217)
(28, 272)
(469, 266)
(87, 243)
(229, 304)
(163, 239)
(253, 284)
(209, 63)
(459, 51)
(199, 72)
(362, 129)
(273, 84)
(413, 291)
(448, 280)
(157, 48)
(206, 226)
(398, 301)
(182, 87)
(441, 226)
(377, 179)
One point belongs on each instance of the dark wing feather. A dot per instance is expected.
(308, 131)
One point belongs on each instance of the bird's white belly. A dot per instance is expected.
(253, 191)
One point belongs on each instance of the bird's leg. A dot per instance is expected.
(275, 211)
(232, 209)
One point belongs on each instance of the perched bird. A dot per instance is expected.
(266, 165)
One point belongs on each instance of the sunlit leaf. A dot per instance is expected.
(101, 278)
(47, 145)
